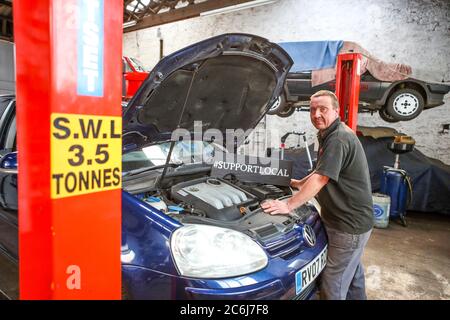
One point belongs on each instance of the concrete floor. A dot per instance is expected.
(9, 279)
(412, 262)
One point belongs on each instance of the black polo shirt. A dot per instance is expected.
(346, 199)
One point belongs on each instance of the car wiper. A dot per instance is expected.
(137, 171)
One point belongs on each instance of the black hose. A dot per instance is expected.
(410, 189)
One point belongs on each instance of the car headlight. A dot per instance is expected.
(203, 251)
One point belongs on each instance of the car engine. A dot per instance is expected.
(215, 198)
(223, 200)
(226, 202)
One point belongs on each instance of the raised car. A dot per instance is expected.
(395, 101)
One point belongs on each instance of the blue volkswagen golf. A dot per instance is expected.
(188, 234)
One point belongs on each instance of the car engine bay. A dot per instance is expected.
(225, 202)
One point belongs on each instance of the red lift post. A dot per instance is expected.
(68, 66)
(348, 79)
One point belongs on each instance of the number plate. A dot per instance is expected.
(305, 276)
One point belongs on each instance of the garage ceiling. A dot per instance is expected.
(140, 14)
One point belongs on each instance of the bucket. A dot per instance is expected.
(381, 207)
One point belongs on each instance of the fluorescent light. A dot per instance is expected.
(129, 24)
(138, 5)
(237, 7)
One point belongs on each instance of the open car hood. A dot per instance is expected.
(226, 82)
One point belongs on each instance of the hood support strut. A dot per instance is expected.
(172, 144)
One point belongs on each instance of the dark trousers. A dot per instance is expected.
(343, 276)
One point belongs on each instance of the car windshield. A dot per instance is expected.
(138, 66)
(156, 155)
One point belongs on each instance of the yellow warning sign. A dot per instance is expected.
(86, 154)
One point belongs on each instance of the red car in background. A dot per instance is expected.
(134, 73)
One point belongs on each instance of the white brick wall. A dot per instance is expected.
(414, 32)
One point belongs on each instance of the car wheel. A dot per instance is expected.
(386, 117)
(286, 112)
(405, 104)
(278, 105)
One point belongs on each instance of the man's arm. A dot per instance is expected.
(310, 188)
(299, 183)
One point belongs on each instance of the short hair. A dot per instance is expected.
(327, 93)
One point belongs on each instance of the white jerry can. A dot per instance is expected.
(381, 207)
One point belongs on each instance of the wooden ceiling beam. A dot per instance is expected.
(189, 11)
(6, 3)
(10, 39)
(3, 26)
(6, 18)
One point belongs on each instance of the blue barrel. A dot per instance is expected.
(394, 184)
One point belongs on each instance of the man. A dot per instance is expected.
(342, 182)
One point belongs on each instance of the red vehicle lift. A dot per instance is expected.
(348, 78)
(69, 147)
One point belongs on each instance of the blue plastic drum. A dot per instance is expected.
(394, 184)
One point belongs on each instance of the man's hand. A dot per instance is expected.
(295, 183)
(275, 207)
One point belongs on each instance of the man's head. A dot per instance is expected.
(324, 109)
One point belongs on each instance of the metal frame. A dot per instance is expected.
(348, 78)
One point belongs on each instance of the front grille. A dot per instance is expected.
(292, 241)
(289, 244)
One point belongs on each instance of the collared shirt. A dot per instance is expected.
(346, 199)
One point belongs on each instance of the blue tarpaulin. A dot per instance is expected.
(312, 55)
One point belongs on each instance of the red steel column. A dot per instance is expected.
(68, 55)
(348, 79)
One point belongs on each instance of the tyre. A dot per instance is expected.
(385, 116)
(278, 105)
(286, 112)
(405, 104)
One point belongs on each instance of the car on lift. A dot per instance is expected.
(185, 233)
(395, 101)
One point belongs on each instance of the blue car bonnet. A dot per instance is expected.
(227, 82)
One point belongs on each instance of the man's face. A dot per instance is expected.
(322, 112)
